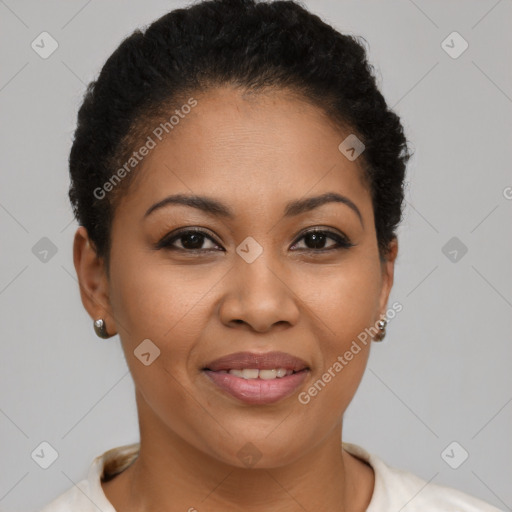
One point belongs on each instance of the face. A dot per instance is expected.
(265, 270)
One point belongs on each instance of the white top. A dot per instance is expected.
(395, 489)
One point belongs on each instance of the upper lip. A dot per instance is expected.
(260, 361)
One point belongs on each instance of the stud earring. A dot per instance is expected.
(100, 327)
(381, 324)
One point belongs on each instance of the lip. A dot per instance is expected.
(261, 361)
(257, 391)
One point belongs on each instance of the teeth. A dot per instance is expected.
(250, 373)
(267, 374)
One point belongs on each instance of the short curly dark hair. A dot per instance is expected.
(248, 44)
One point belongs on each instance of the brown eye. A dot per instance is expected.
(316, 240)
(193, 240)
(190, 240)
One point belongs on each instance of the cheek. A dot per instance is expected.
(343, 299)
(163, 304)
(155, 302)
(343, 305)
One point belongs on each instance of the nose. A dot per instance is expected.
(259, 297)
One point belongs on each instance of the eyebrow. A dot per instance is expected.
(216, 207)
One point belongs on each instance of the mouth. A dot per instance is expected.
(255, 373)
(257, 378)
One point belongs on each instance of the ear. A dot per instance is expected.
(387, 276)
(92, 279)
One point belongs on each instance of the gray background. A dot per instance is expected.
(443, 373)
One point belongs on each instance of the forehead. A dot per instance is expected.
(252, 149)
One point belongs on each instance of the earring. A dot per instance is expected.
(381, 324)
(100, 327)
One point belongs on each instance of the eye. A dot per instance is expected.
(190, 240)
(315, 240)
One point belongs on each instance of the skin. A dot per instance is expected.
(254, 154)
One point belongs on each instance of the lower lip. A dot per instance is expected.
(257, 391)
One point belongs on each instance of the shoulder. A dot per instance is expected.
(396, 489)
(75, 498)
(415, 494)
(87, 495)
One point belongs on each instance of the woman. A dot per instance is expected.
(238, 180)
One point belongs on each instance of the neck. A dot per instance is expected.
(173, 475)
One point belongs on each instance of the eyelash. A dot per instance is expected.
(342, 241)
